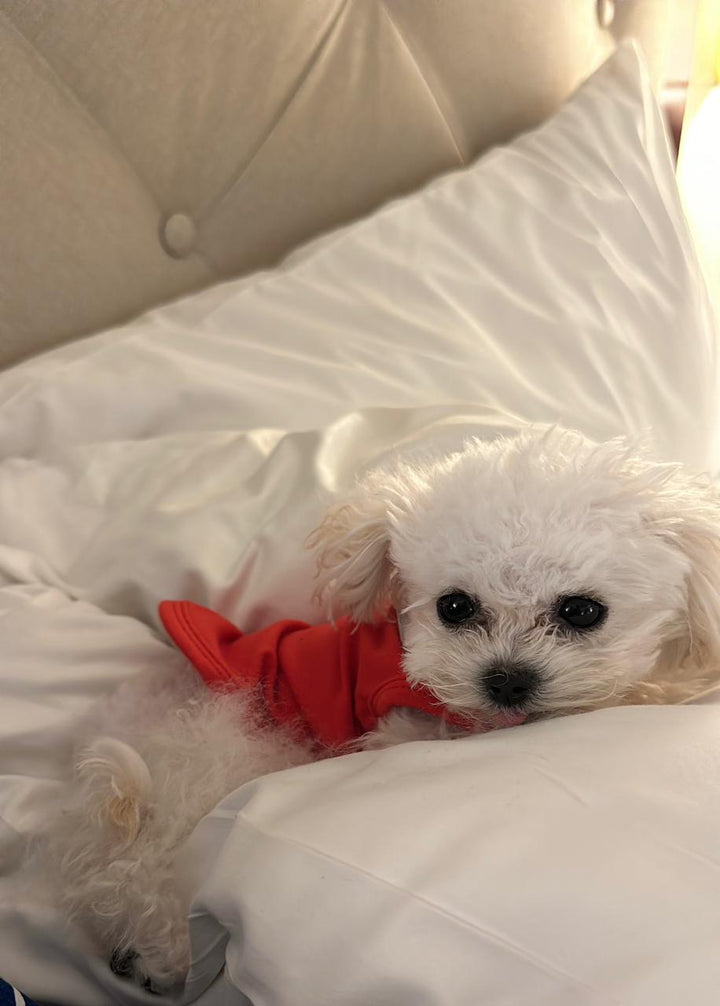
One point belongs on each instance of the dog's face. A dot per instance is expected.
(525, 589)
(533, 575)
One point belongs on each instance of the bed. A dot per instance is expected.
(248, 249)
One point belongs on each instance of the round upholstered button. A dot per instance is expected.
(177, 234)
(605, 12)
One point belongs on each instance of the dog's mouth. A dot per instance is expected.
(507, 718)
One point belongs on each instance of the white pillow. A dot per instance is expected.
(554, 280)
(188, 454)
(565, 863)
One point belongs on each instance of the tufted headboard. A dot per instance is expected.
(150, 147)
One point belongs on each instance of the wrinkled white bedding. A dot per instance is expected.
(188, 455)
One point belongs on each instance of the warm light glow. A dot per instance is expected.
(707, 40)
(699, 161)
(699, 180)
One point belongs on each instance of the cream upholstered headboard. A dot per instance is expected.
(149, 147)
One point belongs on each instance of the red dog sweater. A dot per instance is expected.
(333, 681)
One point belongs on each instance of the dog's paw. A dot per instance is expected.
(127, 964)
(122, 963)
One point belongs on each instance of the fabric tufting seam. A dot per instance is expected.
(73, 98)
(315, 55)
(433, 97)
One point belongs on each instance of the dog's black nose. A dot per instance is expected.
(510, 686)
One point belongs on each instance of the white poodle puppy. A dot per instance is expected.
(532, 576)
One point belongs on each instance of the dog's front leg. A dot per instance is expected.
(403, 725)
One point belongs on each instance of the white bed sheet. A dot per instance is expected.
(189, 454)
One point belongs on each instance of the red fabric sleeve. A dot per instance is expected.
(304, 678)
(332, 681)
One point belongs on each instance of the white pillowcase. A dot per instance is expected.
(552, 281)
(189, 453)
(566, 863)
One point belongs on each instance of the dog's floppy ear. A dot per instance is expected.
(683, 510)
(698, 537)
(354, 570)
(687, 513)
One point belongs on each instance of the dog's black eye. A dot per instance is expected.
(581, 612)
(456, 608)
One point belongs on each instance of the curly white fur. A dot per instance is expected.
(517, 524)
(155, 760)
